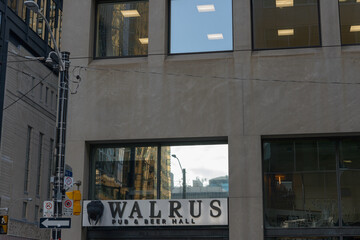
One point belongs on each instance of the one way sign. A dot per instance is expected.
(55, 222)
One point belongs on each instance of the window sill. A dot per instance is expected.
(118, 61)
(286, 52)
(200, 56)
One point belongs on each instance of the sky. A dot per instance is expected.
(202, 161)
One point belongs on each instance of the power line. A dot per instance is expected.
(219, 77)
(19, 98)
(215, 77)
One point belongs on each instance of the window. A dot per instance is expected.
(24, 210)
(200, 26)
(350, 21)
(51, 165)
(122, 29)
(311, 184)
(38, 180)
(159, 171)
(285, 23)
(27, 159)
(36, 213)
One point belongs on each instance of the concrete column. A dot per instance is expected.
(329, 21)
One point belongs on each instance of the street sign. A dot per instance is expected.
(68, 205)
(55, 222)
(68, 171)
(68, 183)
(48, 209)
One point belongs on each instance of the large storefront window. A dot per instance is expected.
(122, 29)
(200, 26)
(311, 183)
(285, 23)
(159, 171)
(350, 21)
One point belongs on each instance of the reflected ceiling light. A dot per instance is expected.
(347, 161)
(130, 13)
(285, 32)
(284, 3)
(355, 28)
(216, 36)
(144, 40)
(206, 8)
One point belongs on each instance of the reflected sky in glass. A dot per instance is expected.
(207, 29)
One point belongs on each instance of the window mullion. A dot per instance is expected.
(338, 175)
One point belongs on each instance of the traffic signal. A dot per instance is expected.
(76, 196)
(3, 224)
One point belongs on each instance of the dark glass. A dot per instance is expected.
(301, 238)
(122, 29)
(200, 26)
(205, 167)
(285, 23)
(350, 197)
(112, 173)
(300, 200)
(327, 154)
(350, 154)
(351, 238)
(306, 152)
(350, 21)
(279, 156)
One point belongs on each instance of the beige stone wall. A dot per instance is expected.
(38, 112)
(242, 95)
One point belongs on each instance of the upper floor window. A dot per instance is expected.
(200, 26)
(285, 23)
(122, 29)
(350, 21)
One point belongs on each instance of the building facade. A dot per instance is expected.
(28, 96)
(184, 103)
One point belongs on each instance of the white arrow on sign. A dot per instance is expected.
(56, 223)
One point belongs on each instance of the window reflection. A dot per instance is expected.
(200, 26)
(132, 172)
(350, 21)
(204, 167)
(285, 23)
(122, 29)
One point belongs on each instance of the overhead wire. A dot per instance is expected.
(198, 76)
(23, 95)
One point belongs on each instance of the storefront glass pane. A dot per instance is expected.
(351, 238)
(350, 154)
(279, 156)
(204, 167)
(285, 23)
(122, 29)
(112, 173)
(200, 26)
(145, 173)
(350, 197)
(300, 200)
(350, 21)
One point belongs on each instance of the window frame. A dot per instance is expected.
(207, 52)
(335, 231)
(96, 24)
(135, 144)
(285, 48)
(340, 28)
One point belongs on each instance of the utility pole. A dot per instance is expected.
(63, 92)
